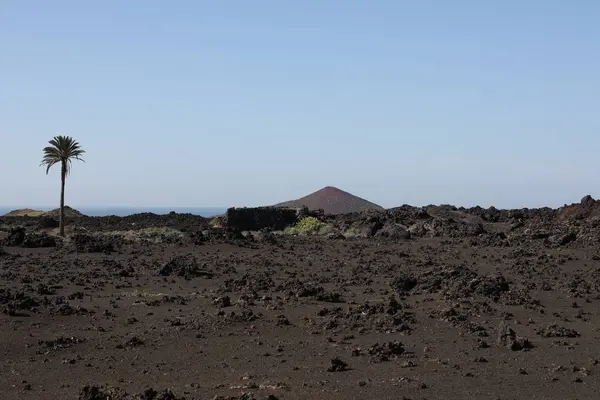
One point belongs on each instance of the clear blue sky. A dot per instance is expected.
(219, 103)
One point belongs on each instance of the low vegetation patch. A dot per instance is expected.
(218, 221)
(308, 226)
(24, 212)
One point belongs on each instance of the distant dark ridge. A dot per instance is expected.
(332, 201)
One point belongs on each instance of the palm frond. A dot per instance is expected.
(62, 149)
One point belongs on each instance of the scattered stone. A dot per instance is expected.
(222, 302)
(132, 342)
(337, 365)
(184, 266)
(508, 338)
(554, 330)
(60, 343)
(94, 392)
(386, 351)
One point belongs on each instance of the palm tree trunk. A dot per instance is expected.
(63, 175)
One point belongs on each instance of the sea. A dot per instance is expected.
(124, 211)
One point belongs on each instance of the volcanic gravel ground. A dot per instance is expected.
(301, 318)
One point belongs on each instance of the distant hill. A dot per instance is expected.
(23, 212)
(69, 213)
(333, 201)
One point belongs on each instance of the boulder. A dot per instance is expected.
(38, 239)
(588, 201)
(88, 243)
(508, 338)
(16, 237)
(561, 239)
(185, 266)
(393, 231)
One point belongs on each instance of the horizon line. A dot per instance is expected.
(109, 206)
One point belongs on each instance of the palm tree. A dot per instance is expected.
(63, 150)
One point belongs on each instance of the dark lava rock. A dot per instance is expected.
(446, 226)
(369, 228)
(133, 342)
(404, 283)
(557, 331)
(540, 234)
(47, 222)
(66, 309)
(516, 225)
(462, 282)
(184, 266)
(588, 201)
(493, 286)
(387, 350)
(311, 289)
(393, 231)
(16, 237)
(266, 236)
(308, 289)
(224, 301)
(258, 218)
(282, 321)
(126, 272)
(250, 282)
(14, 301)
(94, 392)
(45, 290)
(60, 343)
(151, 394)
(85, 243)
(337, 365)
(38, 239)
(508, 338)
(393, 306)
(244, 396)
(181, 222)
(561, 240)
(422, 214)
(197, 237)
(330, 297)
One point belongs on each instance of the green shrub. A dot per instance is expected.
(306, 226)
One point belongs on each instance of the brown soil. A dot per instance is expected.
(473, 304)
(332, 201)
